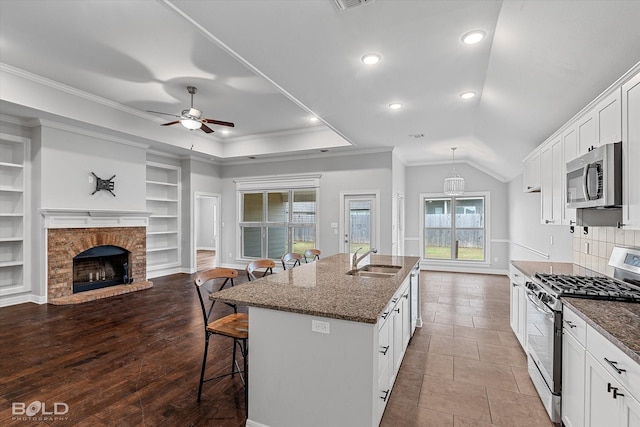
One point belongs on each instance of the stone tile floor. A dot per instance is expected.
(464, 367)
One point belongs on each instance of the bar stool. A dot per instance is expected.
(311, 254)
(291, 257)
(258, 264)
(235, 326)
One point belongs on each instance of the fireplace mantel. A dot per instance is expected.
(90, 218)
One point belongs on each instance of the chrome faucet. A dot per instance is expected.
(357, 259)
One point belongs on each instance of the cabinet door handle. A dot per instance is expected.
(614, 366)
(394, 300)
(384, 350)
(616, 393)
(570, 324)
(397, 310)
(386, 395)
(549, 221)
(515, 285)
(405, 296)
(385, 315)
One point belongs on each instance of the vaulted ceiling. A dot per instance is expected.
(267, 65)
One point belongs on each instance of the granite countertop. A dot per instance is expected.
(617, 321)
(323, 289)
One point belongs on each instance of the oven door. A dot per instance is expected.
(544, 340)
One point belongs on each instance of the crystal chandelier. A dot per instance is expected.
(454, 183)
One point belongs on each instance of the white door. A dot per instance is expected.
(359, 222)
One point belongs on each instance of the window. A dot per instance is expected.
(454, 228)
(273, 223)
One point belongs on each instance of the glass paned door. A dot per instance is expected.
(359, 223)
(437, 228)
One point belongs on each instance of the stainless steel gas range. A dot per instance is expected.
(544, 316)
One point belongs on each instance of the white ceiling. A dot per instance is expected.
(268, 64)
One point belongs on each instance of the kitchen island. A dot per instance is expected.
(325, 346)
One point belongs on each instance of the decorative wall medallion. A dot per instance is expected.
(104, 184)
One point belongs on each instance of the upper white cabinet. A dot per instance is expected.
(602, 124)
(163, 233)
(531, 177)
(631, 152)
(613, 117)
(552, 171)
(14, 225)
(570, 148)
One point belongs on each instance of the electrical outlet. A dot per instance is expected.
(551, 240)
(320, 326)
(230, 255)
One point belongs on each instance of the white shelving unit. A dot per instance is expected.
(14, 225)
(163, 232)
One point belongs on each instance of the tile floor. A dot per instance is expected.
(464, 367)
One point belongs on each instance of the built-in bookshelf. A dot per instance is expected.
(163, 232)
(14, 226)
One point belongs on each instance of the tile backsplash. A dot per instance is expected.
(593, 250)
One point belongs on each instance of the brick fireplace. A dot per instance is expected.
(71, 235)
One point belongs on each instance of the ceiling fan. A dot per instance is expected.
(191, 118)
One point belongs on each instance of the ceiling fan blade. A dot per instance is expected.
(218, 122)
(206, 129)
(159, 112)
(170, 123)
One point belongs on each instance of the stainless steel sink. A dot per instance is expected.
(380, 268)
(375, 270)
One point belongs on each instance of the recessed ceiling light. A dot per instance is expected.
(225, 131)
(371, 58)
(473, 37)
(467, 95)
(395, 105)
(313, 119)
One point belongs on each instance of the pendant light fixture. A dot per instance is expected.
(454, 183)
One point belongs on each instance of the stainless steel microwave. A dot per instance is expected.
(594, 180)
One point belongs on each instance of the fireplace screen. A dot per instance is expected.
(100, 267)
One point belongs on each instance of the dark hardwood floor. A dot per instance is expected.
(129, 360)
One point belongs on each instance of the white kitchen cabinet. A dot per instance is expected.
(518, 306)
(551, 166)
(631, 152)
(573, 368)
(607, 402)
(611, 383)
(586, 131)
(609, 119)
(14, 225)
(163, 232)
(531, 178)
(570, 148)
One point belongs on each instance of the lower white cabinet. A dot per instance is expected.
(573, 368)
(518, 306)
(607, 402)
(599, 382)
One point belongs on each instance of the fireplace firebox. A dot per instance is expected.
(100, 267)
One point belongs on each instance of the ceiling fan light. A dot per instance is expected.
(191, 124)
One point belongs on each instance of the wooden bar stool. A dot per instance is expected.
(235, 326)
(292, 259)
(311, 255)
(258, 264)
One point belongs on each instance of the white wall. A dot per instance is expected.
(429, 179)
(531, 240)
(67, 160)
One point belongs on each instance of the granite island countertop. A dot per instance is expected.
(323, 288)
(618, 321)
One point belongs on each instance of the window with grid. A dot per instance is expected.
(454, 228)
(273, 223)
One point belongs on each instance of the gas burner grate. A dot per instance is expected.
(589, 287)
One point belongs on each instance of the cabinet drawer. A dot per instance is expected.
(574, 325)
(624, 369)
(516, 275)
